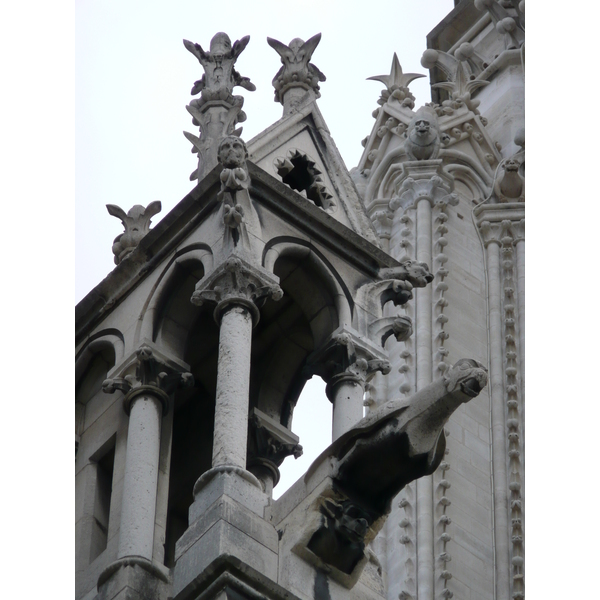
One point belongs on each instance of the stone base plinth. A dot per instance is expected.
(226, 519)
(228, 578)
(133, 578)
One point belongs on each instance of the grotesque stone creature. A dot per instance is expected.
(422, 136)
(510, 187)
(232, 154)
(219, 77)
(409, 275)
(296, 70)
(341, 540)
(400, 441)
(137, 225)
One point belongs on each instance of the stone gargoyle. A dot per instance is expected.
(370, 464)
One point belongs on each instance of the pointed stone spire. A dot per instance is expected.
(298, 80)
(397, 84)
(217, 111)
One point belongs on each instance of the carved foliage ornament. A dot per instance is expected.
(150, 372)
(236, 282)
(396, 84)
(461, 80)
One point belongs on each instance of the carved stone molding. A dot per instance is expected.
(236, 282)
(148, 371)
(508, 22)
(137, 225)
(423, 180)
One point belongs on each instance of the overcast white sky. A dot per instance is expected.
(134, 76)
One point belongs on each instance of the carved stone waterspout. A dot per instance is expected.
(371, 463)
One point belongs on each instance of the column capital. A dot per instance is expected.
(148, 371)
(237, 283)
(423, 180)
(347, 356)
(504, 232)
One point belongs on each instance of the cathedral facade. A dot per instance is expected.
(400, 282)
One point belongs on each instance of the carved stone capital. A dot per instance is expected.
(503, 224)
(423, 180)
(347, 356)
(271, 443)
(148, 371)
(236, 282)
(518, 228)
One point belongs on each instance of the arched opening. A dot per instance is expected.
(288, 332)
(312, 424)
(191, 334)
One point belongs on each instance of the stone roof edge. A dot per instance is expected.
(189, 213)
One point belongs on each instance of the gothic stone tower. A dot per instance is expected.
(279, 264)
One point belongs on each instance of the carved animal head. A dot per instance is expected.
(468, 375)
(232, 152)
(417, 272)
(511, 164)
(423, 129)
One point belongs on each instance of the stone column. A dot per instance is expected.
(233, 387)
(347, 362)
(145, 406)
(492, 244)
(426, 184)
(346, 393)
(146, 401)
(238, 289)
(424, 326)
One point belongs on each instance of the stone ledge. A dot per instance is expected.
(230, 573)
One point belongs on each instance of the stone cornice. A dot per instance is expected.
(193, 209)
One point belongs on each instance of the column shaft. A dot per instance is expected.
(347, 406)
(233, 388)
(500, 490)
(424, 360)
(138, 511)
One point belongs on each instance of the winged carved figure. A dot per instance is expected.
(296, 70)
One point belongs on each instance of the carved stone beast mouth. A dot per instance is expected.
(472, 386)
